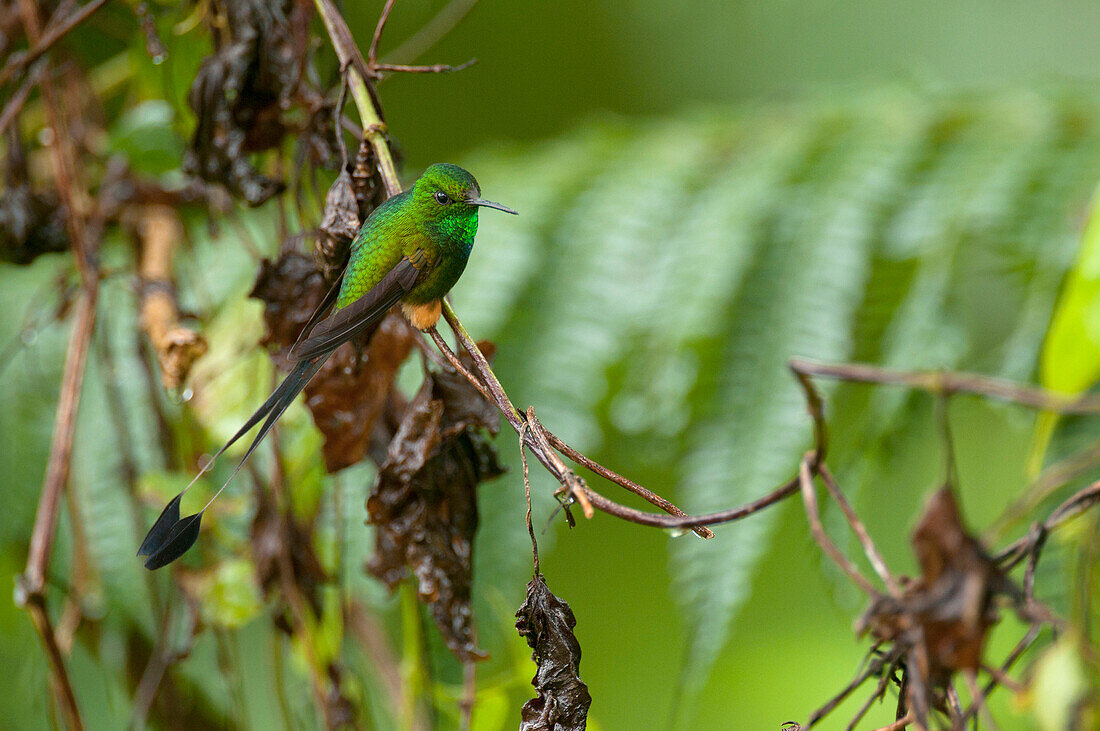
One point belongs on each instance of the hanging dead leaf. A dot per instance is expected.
(241, 91)
(339, 224)
(424, 502)
(547, 623)
(942, 617)
(32, 222)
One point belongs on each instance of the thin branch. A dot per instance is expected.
(869, 548)
(1048, 481)
(943, 426)
(372, 53)
(457, 364)
(469, 694)
(1017, 652)
(880, 691)
(876, 665)
(375, 69)
(899, 724)
(431, 32)
(944, 383)
(358, 72)
(1080, 501)
(435, 68)
(35, 604)
(54, 32)
(623, 482)
(527, 494)
(809, 499)
(572, 484)
(977, 699)
(19, 98)
(546, 455)
(31, 583)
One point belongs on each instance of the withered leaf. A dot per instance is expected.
(353, 390)
(369, 189)
(424, 502)
(32, 222)
(241, 90)
(942, 617)
(340, 222)
(547, 623)
(954, 596)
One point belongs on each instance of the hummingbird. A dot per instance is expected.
(410, 251)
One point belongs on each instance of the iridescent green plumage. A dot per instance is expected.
(411, 251)
(415, 221)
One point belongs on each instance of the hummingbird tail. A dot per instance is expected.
(171, 536)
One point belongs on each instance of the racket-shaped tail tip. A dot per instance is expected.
(180, 537)
(156, 535)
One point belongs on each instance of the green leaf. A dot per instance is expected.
(1070, 360)
(145, 135)
(229, 595)
(1058, 686)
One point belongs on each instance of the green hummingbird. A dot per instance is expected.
(410, 251)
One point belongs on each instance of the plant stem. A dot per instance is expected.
(374, 129)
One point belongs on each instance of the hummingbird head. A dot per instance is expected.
(448, 194)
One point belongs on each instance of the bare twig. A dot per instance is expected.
(571, 483)
(809, 499)
(1080, 501)
(375, 69)
(941, 383)
(32, 582)
(1048, 481)
(899, 724)
(876, 664)
(54, 32)
(35, 604)
(977, 699)
(869, 548)
(429, 34)
(469, 694)
(435, 68)
(621, 481)
(880, 691)
(527, 494)
(358, 73)
(19, 98)
(458, 365)
(554, 465)
(372, 53)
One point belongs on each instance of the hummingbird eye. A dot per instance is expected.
(442, 198)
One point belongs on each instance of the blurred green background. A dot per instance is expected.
(706, 189)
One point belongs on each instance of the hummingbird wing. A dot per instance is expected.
(348, 322)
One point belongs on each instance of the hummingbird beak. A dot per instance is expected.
(491, 204)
